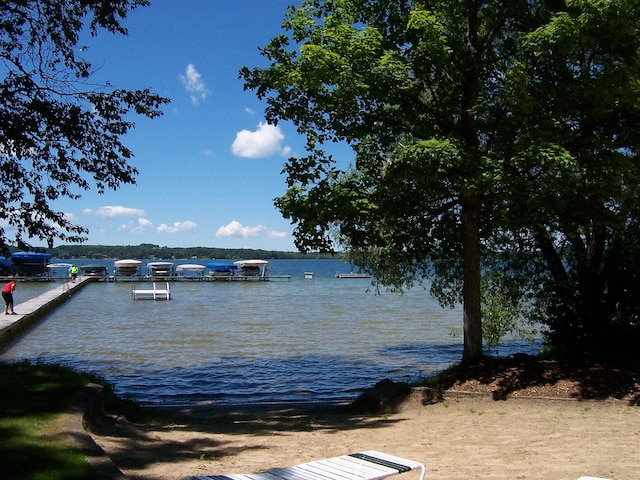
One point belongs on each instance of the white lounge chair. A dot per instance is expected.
(369, 465)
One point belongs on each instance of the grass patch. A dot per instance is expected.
(33, 395)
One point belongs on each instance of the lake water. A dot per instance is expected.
(225, 343)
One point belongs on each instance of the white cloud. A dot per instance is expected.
(263, 142)
(143, 225)
(109, 211)
(193, 83)
(236, 229)
(177, 227)
(139, 226)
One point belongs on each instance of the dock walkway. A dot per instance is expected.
(32, 310)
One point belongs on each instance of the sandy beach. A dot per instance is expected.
(462, 436)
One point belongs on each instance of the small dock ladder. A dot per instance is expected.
(152, 294)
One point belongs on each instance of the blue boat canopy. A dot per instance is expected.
(30, 263)
(31, 256)
(221, 266)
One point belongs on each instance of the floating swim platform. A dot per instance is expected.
(154, 293)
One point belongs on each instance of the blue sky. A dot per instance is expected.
(210, 167)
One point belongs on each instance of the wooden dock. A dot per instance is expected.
(34, 309)
(193, 278)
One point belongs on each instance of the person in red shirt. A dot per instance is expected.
(7, 294)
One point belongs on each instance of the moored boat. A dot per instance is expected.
(58, 269)
(93, 270)
(161, 269)
(252, 268)
(128, 267)
(30, 263)
(190, 269)
(221, 270)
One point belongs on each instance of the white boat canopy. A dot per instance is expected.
(160, 264)
(190, 267)
(127, 263)
(251, 263)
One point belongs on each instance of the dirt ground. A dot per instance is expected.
(491, 426)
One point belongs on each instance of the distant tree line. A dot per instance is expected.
(150, 251)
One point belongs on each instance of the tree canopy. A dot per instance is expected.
(60, 134)
(495, 147)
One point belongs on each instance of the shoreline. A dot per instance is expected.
(521, 417)
(252, 409)
(419, 397)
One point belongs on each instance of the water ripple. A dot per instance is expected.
(234, 342)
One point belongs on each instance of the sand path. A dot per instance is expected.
(459, 438)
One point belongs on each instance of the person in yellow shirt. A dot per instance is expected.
(73, 272)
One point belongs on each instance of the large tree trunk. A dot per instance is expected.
(471, 202)
(471, 207)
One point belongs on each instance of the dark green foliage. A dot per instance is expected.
(481, 131)
(60, 134)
